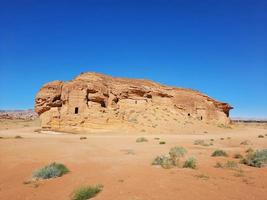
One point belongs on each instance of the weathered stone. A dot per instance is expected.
(97, 101)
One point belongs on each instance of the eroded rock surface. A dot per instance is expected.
(96, 101)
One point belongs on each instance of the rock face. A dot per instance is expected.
(95, 101)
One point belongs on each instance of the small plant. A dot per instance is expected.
(238, 156)
(162, 142)
(256, 159)
(228, 138)
(222, 138)
(211, 139)
(260, 136)
(141, 139)
(87, 192)
(156, 138)
(190, 163)
(51, 171)
(83, 138)
(219, 152)
(18, 137)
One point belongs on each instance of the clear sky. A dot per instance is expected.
(217, 47)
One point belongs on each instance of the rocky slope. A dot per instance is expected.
(96, 101)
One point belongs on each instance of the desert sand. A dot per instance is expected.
(123, 166)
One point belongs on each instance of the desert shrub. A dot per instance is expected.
(177, 152)
(219, 152)
(156, 138)
(245, 142)
(228, 138)
(222, 138)
(211, 139)
(141, 139)
(260, 136)
(164, 161)
(18, 137)
(202, 143)
(51, 171)
(230, 164)
(162, 142)
(87, 192)
(256, 159)
(266, 134)
(190, 163)
(238, 156)
(173, 159)
(83, 138)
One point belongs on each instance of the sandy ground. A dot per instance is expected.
(124, 167)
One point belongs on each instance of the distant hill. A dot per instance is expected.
(28, 114)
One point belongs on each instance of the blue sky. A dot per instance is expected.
(217, 47)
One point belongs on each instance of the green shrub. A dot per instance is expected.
(51, 171)
(190, 163)
(177, 152)
(87, 192)
(164, 161)
(162, 142)
(260, 136)
(171, 160)
(141, 139)
(256, 159)
(219, 152)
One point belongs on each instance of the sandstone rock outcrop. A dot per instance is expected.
(96, 101)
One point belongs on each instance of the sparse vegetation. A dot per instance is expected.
(83, 138)
(256, 159)
(190, 163)
(219, 152)
(228, 138)
(202, 143)
(18, 137)
(228, 165)
(156, 138)
(51, 171)
(87, 192)
(173, 159)
(222, 138)
(260, 136)
(162, 142)
(141, 139)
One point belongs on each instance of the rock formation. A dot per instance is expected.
(95, 101)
